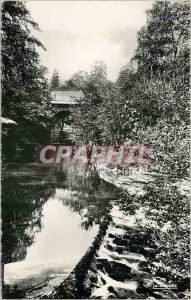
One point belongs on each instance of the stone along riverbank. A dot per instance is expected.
(131, 262)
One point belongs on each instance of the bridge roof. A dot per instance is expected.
(7, 121)
(66, 97)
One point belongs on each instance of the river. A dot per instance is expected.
(50, 218)
(67, 233)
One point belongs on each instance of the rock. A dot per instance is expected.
(111, 296)
(131, 260)
(127, 236)
(150, 252)
(143, 264)
(165, 294)
(148, 283)
(143, 275)
(101, 262)
(120, 271)
(121, 293)
(140, 238)
(111, 235)
(142, 289)
(121, 242)
(137, 248)
(185, 295)
(118, 249)
(147, 252)
(111, 289)
(92, 277)
(109, 247)
(117, 271)
(121, 226)
(184, 284)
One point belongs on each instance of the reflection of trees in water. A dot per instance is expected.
(21, 216)
(91, 195)
(23, 198)
(87, 183)
(91, 214)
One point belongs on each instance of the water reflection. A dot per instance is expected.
(21, 216)
(90, 194)
(56, 249)
(50, 219)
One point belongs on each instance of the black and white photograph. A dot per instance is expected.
(95, 149)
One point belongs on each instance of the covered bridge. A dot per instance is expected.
(63, 101)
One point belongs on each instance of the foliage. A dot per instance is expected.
(77, 82)
(166, 221)
(95, 86)
(170, 209)
(55, 81)
(25, 96)
(164, 39)
(149, 103)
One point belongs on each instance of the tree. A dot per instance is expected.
(156, 93)
(95, 87)
(25, 95)
(164, 39)
(55, 81)
(76, 83)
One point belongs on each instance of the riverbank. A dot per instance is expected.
(143, 254)
(136, 179)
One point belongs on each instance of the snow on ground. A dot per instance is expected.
(103, 292)
(128, 259)
(184, 186)
(117, 250)
(133, 182)
(119, 218)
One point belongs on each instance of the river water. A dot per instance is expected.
(50, 218)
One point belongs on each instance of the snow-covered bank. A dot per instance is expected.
(122, 267)
(130, 262)
(133, 181)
